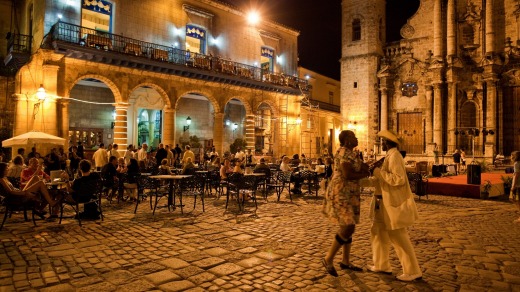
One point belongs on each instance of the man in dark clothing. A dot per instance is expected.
(84, 189)
(81, 153)
(109, 174)
(177, 153)
(161, 154)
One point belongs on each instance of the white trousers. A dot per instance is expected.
(381, 238)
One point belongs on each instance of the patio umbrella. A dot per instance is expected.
(31, 138)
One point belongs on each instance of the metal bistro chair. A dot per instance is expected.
(145, 188)
(276, 183)
(96, 194)
(310, 178)
(418, 184)
(193, 186)
(263, 181)
(241, 186)
(11, 205)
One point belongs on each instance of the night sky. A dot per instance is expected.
(319, 23)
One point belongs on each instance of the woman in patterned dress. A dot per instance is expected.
(342, 200)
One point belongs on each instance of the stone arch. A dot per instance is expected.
(159, 89)
(111, 85)
(211, 98)
(247, 106)
(271, 104)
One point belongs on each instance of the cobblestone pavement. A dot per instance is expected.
(461, 244)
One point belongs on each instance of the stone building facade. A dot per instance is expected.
(130, 72)
(449, 81)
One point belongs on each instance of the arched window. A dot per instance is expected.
(356, 30)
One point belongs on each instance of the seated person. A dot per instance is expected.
(285, 165)
(189, 167)
(238, 167)
(109, 174)
(121, 165)
(295, 160)
(164, 168)
(34, 169)
(132, 175)
(34, 189)
(262, 167)
(303, 164)
(250, 158)
(15, 170)
(84, 189)
(225, 169)
(215, 164)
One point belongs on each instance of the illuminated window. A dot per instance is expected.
(97, 15)
(195, 39)
(356, 30)
(266, 60)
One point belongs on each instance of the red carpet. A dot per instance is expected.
(457, 185)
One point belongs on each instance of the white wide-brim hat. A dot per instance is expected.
(390, 135)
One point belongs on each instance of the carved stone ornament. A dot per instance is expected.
(409, 88)
(407, 31)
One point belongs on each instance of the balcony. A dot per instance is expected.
(323, 106)
(18, 53)
(88, 44)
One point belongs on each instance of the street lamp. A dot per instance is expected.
(40, 93)
(188, 123)
(298, 120)
(235, 126)
(253, 17)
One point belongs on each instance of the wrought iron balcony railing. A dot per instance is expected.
(18, 43)
(87, 37)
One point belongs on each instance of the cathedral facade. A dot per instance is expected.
(449, 80)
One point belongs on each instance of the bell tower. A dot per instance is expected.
(363, 36)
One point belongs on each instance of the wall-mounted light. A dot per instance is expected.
(298, 120)
(253, 17)
(188, 123)
(235, 126)
(228, 123)
(114, 115)
(40, 93)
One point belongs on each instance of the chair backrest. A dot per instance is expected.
(284, 176)
(418, 185)
(308, 175)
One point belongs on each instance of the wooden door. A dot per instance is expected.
(410, 128)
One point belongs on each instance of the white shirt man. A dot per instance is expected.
(188, 154)
(142, 153)
(170, 155)
(114, 151)
(100, 157)
(240, 155)
(129, 154)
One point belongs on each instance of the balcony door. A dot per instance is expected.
(266, 60)
(97, 15)
(195, 39)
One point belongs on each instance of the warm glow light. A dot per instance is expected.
(40, 93)
(253, 17)
(188, 121)
(298, 120)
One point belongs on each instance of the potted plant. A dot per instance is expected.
(508, 182)
(484, 193)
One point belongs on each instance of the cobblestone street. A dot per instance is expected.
(461, 244)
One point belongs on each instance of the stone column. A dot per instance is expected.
(429, 115)
(384, 109)
(64, 123)
(250, 132)
(218, 133)
(452, 117)
(121, 126)
(168, 127)
(452, 29)
(49, 110)
(437, 29)
(490, 31)
(437, 115)
(22, 123)
(491, 108)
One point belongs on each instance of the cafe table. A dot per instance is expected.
(173, 181)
